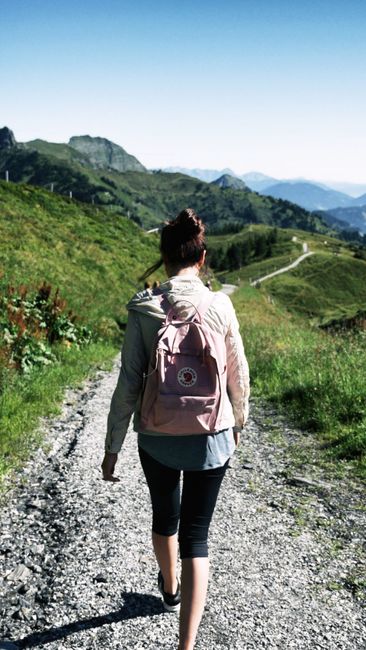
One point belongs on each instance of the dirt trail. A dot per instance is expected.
(228, 288)
(284, 269)
(77, 571)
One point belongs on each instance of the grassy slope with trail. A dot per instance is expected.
(94, 258)
(317, 378)
(322, 287)
(330, 284)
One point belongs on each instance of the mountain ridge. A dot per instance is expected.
(261, 183)
(83, 172)
(254, 180)
(227, 181)
(355, 217)
(309, 195)
(104, 154)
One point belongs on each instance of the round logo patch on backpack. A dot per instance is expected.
(187, 377)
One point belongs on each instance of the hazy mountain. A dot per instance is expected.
(207, 175)
(257, 181)
(360, 201)
(254, 180)
(354, 217)
(309, 196)
(234, 183)
(352, 189)
(302, 191)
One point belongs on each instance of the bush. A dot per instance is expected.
(31, 325)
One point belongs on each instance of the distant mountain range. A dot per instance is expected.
(348, 210)
(354, 218)
(311, 196)
(96, 170)
(100, 172)
(259, 182)
(255, 180)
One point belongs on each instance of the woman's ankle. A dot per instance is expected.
(171, 585)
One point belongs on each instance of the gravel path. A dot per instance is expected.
(228, 288)
(77, 571)
(284, 269)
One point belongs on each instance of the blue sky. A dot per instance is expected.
(273, 86)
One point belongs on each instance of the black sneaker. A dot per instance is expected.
(171, 602)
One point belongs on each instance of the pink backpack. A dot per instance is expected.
(185, 384)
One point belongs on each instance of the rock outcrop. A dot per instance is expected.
(232, 182)
(7, 139)
(104, 154)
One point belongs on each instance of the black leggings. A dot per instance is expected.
(193, 511)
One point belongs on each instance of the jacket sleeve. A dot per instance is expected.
(129, 385)
(237, 371)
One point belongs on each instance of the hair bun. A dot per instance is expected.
(182, 241)
(190, 223)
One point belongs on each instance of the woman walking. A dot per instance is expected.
(180, 521)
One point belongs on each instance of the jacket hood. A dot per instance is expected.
(175, 288)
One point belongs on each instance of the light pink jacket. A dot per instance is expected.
(144, 320)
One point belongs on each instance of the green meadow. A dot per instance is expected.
(316, 378)
(93, 256)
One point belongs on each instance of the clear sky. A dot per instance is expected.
(277, 86)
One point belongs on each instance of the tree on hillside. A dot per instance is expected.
(233, 257)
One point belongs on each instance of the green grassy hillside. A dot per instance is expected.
(322, 287)
(93, 256)
(56, 150)
(317, 379)
(327, 285)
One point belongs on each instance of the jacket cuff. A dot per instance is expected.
(111, 448)
(114, 441)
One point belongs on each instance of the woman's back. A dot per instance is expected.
(180, 517)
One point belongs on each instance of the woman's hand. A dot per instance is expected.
(108, 465)
(236, 438)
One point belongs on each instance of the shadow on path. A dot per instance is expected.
(134, 606)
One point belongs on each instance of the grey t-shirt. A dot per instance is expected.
(190, 453)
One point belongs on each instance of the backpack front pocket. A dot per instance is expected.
(179, 414)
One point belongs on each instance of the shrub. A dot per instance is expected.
(31, 325)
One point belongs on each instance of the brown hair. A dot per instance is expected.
(182, 242)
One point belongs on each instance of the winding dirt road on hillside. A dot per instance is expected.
(77, 571)
(284, 268)
(228, 288)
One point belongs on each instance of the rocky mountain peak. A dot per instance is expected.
(7, 139)
(230, 181)
(104, 154)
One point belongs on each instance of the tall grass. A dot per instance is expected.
(318, 379)
(94, 257)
